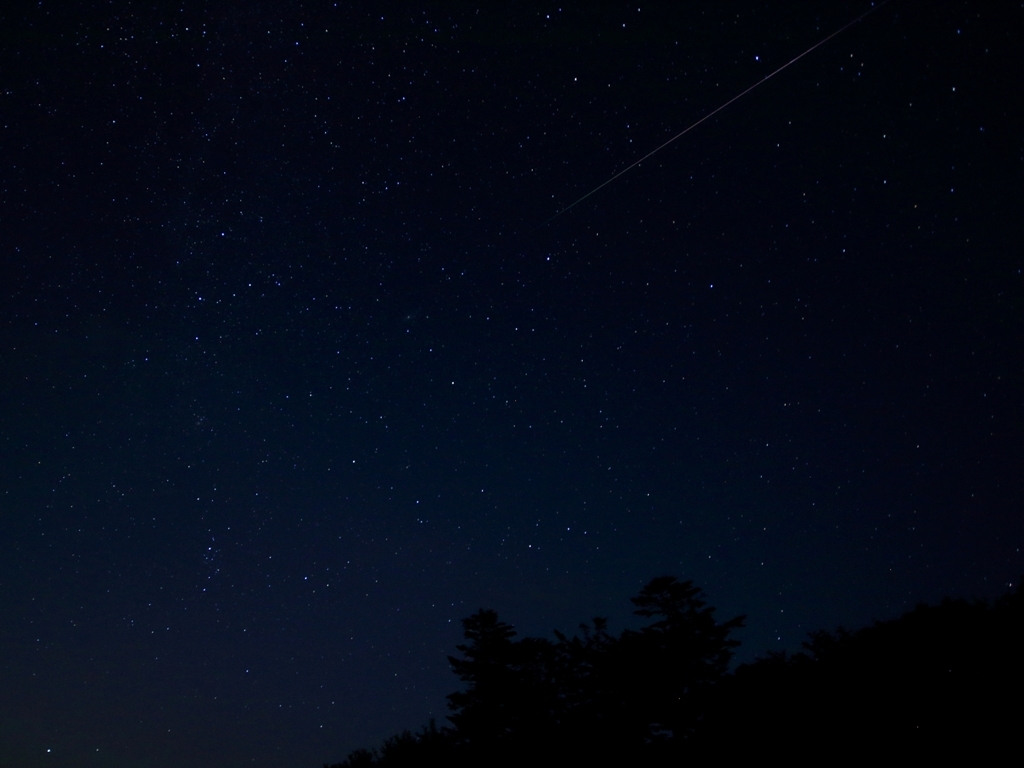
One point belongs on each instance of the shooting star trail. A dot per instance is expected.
(714, 112)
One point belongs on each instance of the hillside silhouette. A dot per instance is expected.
(940, 680)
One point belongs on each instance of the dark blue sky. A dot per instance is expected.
(293, 376)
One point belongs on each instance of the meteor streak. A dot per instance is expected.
(713, 112)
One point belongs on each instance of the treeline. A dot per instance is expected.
(938, 681)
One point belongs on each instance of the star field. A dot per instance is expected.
(293, 376)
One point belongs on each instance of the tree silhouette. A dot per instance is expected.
(586, 693)
(664, 674)
(937, 682)
(596, 694)
(511, 700)
(431, 746)
(940, 681)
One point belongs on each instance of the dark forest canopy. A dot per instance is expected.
(939, 678)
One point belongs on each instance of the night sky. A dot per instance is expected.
(294, 375)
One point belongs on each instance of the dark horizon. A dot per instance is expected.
(940, 681)
(294, 378)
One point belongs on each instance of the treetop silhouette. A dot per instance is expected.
(938, 680)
